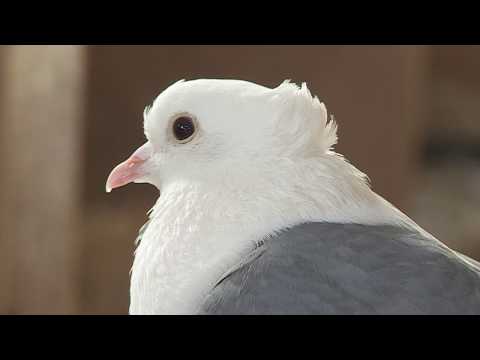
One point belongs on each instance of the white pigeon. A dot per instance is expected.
(258, 215)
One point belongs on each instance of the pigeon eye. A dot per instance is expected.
(183, 128)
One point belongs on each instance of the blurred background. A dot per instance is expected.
(408, 116)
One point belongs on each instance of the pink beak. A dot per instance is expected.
(130, 170)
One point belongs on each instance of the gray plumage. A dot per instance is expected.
(323, 268)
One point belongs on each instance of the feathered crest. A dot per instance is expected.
(305, 118)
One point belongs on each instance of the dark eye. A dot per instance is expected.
(183, 128)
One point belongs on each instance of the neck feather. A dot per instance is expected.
(198, 230)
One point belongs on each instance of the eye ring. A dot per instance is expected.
(183, 128)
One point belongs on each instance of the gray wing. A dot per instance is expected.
(469, 260)
(321, 268)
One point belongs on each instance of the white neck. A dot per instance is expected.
(199, 230)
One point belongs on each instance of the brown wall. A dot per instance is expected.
(41, 131)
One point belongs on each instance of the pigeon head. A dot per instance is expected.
(203, 129)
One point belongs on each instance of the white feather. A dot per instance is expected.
(261, 161)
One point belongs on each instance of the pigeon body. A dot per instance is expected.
(357, 270)
(258, 215)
